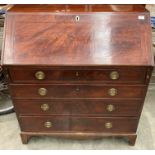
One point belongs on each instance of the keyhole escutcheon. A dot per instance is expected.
(77, 18)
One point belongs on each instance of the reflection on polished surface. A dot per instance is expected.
(99, 38)
(80, 8)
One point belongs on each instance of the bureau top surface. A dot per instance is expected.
(77, 35)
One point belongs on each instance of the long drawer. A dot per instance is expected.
(78, 107)
(76, 91)
(76, 74)
(78, 124)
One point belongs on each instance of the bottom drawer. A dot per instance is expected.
(79, 124)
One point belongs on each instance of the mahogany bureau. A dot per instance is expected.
(78, 71)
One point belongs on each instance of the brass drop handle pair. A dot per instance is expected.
(43, 91)
(40, 75)
(48, 124)
(109, 108)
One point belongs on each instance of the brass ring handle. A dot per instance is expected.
(110, 108)
(45, 107)
(108, 125)
(48, 124)
(42, 91)
(112, 92)
(40, 75)
(114, 75)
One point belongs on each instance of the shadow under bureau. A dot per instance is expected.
(78, 71)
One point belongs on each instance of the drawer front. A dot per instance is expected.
(76, 91)
(78, 124)
(109, 75)
(78, 107)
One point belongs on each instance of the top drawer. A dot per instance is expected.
(77, 74)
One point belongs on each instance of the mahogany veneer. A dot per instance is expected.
(89, 107)
(78, 71)
(77, 124)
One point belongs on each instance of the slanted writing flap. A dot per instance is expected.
(94, 39)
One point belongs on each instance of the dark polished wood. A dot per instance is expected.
(78, 74)
(78, 8)
(78, 124)
(78, 71)
(58, 39)
(89, 107)
(76, 91)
